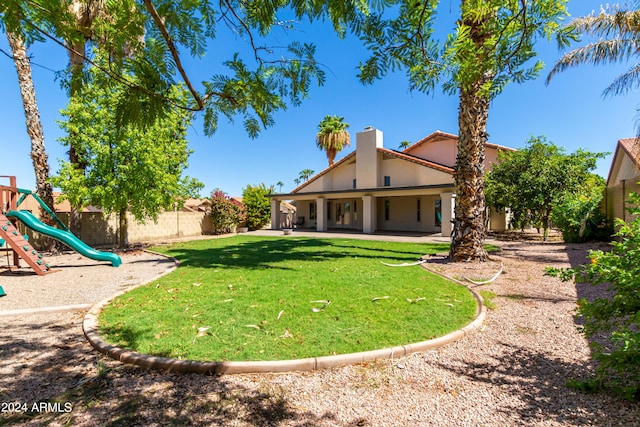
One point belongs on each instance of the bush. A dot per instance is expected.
(226, 213)
(617, 317)
(258, 205)
(578, 214)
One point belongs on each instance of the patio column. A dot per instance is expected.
(321, 215)
(448, 209)
(368, 214)
(275, 214)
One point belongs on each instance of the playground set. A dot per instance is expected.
(10, 199)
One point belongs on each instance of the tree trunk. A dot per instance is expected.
(85, 12)
(122, 227)
(76, 61)
(39, 155)
(468, 229)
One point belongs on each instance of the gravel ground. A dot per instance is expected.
(510, 373)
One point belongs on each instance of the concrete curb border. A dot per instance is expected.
(90, 328)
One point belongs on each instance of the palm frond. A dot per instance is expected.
(624, 83)
(601, 52)
(610, 22)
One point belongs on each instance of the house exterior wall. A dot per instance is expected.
(403, 173)
(624, 169)
(342, 177)
(403, 214)
(617, 197)
(368, 158)
(624, 176)
(443, 151)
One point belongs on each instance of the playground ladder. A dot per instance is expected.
(21, 246)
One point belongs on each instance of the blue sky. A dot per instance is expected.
(570, 111)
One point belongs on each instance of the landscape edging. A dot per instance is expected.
(90, 329)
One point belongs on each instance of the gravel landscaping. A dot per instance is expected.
(513, 371)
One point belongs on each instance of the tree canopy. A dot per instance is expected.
(531, 181)
(147, 42)
(127, 168)
(332, 136)
(613, 35)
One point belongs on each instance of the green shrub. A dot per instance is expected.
(618, 317)
(258, 205)
(578, 215)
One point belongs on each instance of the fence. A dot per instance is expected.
(617, 198)
(97, 230)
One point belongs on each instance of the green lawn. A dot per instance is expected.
(259, 298)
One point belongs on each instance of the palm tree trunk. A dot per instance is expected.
(39, 155)
(468, 228)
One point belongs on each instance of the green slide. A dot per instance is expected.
(66, 237)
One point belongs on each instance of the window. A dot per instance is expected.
(387, 208)
(329, 210)
(355, 210)
(438, 213)
(418, 211)
(387, 181)
(354, 183)
(312, 210)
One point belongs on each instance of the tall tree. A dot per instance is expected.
(132, 170)
(531, 181)
(492, 46)
(615, 35)
(305, 174)
(404, 144)
(39, 155)
(332, 136)
(85, 13)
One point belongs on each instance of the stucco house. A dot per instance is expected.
(623, 179)
(377, 189)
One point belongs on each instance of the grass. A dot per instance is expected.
(260, 298)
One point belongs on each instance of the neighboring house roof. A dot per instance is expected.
(196, 205)
(32, 205)
(629, 147)
(287, 207)
(63, 206)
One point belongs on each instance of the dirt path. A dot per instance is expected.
(512, 372)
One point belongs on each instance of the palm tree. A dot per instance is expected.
(297, 181)
(332, 136)
(279, 184)
(39, 154)
(404, 144)
(305, 174)
(617, 34)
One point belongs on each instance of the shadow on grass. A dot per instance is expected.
(269, 253)
(59, 366)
